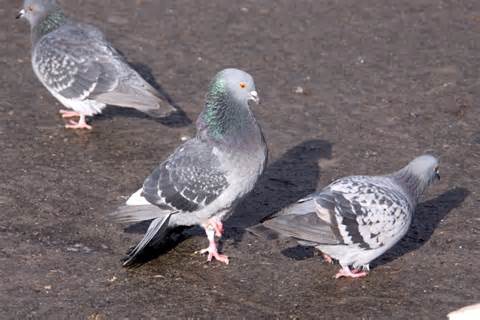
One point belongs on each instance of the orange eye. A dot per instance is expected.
(30, 8)
(243, 85)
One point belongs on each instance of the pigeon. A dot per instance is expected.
(204, 178)
(355, 219)
(81, 69)
(467, 313)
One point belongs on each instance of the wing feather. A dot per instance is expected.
(78, 63)
(188, 180)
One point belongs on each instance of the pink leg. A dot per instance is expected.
(346, 272)
(212, 250)
(327, 258)
(69, 114)
(218, 226)
(81, 124)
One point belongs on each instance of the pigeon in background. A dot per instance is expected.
(467, 313)
(202, 181)
(81, 69)
(355, 219)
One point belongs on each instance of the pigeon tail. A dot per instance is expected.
(308, 227)
(302, 206)
(142, 97)
(157, 230)
(137, 213)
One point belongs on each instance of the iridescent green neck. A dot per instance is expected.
(50, 23)
(222, 116)
(212, 115)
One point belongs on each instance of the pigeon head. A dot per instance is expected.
(420, 173)
(35, 11)
(425, 168)
(226, 109)
(235, 84)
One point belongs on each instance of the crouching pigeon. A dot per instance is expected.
(201, 182)
(356, 219)
(81, 69)
(467, 313)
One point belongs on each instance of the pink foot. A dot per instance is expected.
(214, 227)
(213, 253)
(69, 114)
(81, 124)
(346, 272)
(327, 258)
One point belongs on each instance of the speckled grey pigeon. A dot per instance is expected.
(81, 69)
(201, 182)
(356, 219)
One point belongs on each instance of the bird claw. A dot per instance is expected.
(347, 273)
(212, 229)
(74, 125)
(69, 114)
(213, 253)
(81, 124)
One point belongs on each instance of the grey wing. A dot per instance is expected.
(78, 63)
(365, 214)
(302, 221)
(74, 65)
(188, 180)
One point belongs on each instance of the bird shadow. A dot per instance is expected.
(291, 177)
(176, 119)
(425, 220)
(299, 252)
(159, 245)
(288, 179)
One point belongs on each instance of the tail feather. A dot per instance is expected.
(302, 206)
(308, 227)
(139, 95)
(157, 229)
(137, 213)
(269, 229)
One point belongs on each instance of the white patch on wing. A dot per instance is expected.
(87, 92)
(323, 213)
(182, 193)
(86, 107)
(137, 199)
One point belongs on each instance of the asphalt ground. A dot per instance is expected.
(347, 87)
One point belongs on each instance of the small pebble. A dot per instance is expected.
(299, 90)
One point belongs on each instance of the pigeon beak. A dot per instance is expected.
(20, 14)
(254, 97)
